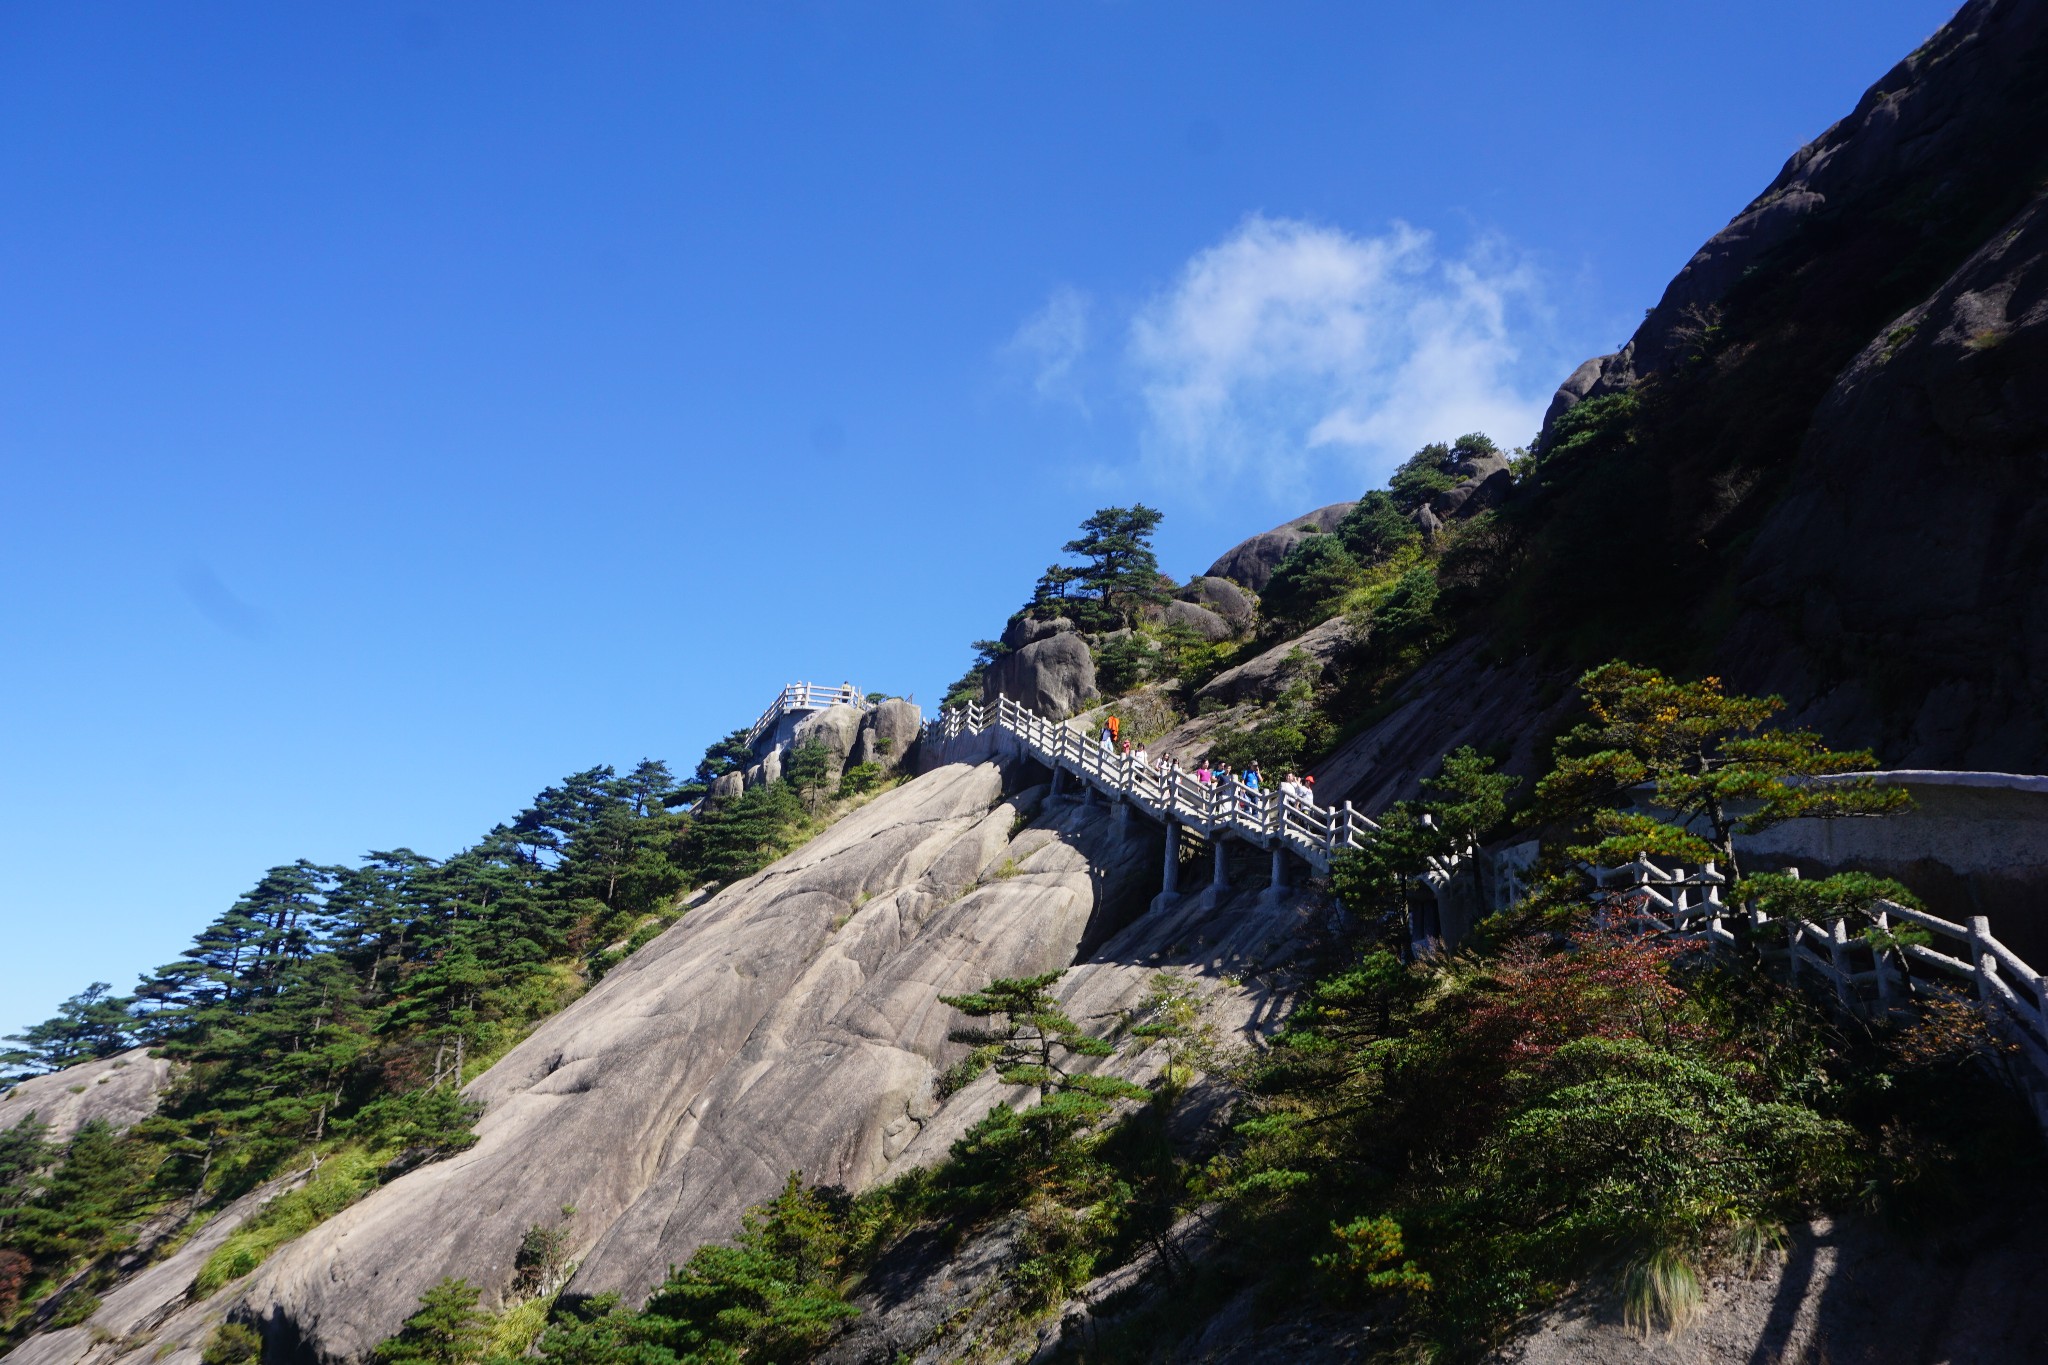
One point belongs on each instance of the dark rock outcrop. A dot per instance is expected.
(1251, 562)
(1973, 87)
(1909, 562)
(1840, 445)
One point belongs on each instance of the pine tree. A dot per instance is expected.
(1311, 582)
(448, 1329)
(89, 1202)
(25, 1154)
(1122, 572)
(1707, 760)
(808, 770)
(93, 1023)
(1375, 529)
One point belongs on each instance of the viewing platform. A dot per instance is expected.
(778, 722)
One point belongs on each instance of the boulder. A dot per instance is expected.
(1478, 467)
(1054, 677)
(725, 788)
(1429, 521)
(1223, 597)
(1026, 630)
(888, 733)
(122, 1089)
(770, 766)
(1251, 562)
(1268, 675)
(835, 727)
(1199, 619)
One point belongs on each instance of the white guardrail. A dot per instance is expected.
(805, 697)
(1262, 817)
(1871, 977)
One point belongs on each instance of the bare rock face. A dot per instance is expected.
(1459, 697)
(1266, 676)
(790, 1023)
(1252, 562)
(122, 1089)
(1053, 677)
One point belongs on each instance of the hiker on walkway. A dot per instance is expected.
(1204, 774)
(1113, 726)
(1108, 740)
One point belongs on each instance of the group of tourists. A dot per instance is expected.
(1210, 773)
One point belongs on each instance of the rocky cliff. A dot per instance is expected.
(1842, 425)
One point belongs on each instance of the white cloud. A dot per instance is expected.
(1288, 345)
(1051, 343)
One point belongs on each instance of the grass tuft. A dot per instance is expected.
(1661, 1290)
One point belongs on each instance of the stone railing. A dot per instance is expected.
(1871, 975)
(805, 697)
(1268, 819)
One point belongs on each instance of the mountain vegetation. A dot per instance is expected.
(330, 1017)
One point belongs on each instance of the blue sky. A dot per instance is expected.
(402, 406)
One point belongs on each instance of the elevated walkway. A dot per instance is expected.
(1269, 820)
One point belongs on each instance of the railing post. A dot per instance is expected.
(1881, 972)
(1838, 957)
(1981, 963)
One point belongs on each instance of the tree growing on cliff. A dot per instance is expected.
(1310, 583)
(1122, 572)
(1457, 808)
(448, 1329)
(93, 1023)
(1705, 760)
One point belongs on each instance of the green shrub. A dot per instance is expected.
(859, 778)
(1421, 477)
(232, 1343)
